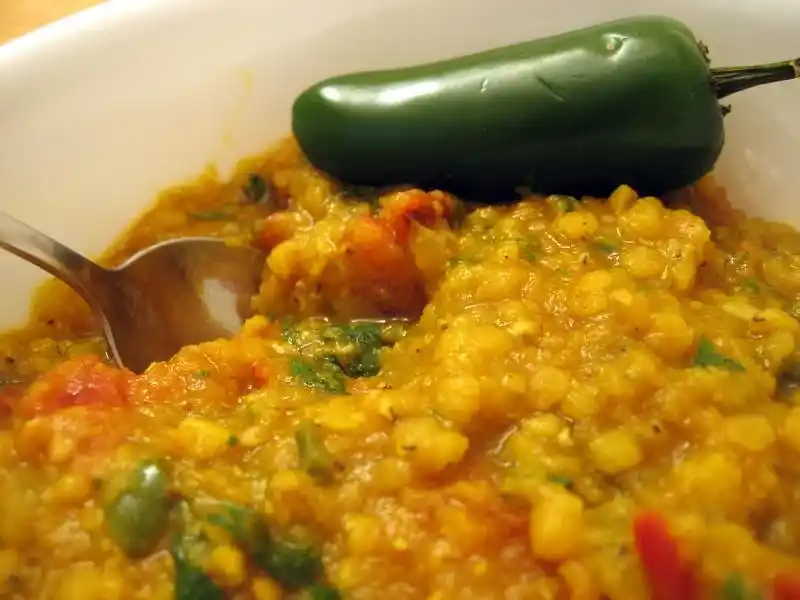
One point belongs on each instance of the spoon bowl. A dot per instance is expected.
(176, 293)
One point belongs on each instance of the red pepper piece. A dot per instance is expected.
(786, 586)
(669, 575)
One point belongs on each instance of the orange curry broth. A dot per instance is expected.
(566, 401)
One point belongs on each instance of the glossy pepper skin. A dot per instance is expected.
(629, 101)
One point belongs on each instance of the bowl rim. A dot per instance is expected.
(49, 37)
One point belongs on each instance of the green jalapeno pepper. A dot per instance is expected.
(630, 101)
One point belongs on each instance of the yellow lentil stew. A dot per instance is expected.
(548, 399)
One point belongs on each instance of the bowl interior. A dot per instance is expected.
(101, 111)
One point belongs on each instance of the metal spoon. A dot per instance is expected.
(176, 293)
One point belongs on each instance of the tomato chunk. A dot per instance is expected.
(670, 576)
(276, 228)
(786, 586)
(260, 374)
(380, 269)
(426, 208)
(371, 243)
(85, 380)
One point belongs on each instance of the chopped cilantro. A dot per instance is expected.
(246, 527)
(292, 564)
(203, 373)
(311, 451)
(560, 480)
(527, 251)
(331, 352)
(191, 582)
(255, 189)
(750, 285)
(366, 340)
(321, 592)
(565, 204)
(362, 333)
(290, 333)
(325, 375)
(233, 440)
(367, 364)
(706, 355)
(605, 246)
(735, 587)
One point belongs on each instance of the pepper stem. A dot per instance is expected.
(735, 79)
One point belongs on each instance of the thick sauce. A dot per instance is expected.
(550, 399)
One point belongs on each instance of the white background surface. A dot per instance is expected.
(101, 111)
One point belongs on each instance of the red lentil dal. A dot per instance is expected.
(559, 400)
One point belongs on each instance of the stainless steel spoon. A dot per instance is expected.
(176, 293)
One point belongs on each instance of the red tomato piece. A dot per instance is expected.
(425, 208)
(274, 229)
(669, 575)
(786, 586)
(260, 375)
(85, 380)
(372, 243)
(380, 269)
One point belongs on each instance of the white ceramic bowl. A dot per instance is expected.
(102, 110)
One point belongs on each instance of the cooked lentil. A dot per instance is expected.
(548, 399)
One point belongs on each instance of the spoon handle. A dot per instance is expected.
(72, 268)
